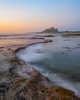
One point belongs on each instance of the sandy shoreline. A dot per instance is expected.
(19, 81)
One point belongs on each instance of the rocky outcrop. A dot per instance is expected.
(22, 82)
(34, 87)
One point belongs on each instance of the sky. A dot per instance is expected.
(19, 16)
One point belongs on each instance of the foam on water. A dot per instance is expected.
(61, 52)
(34, 53)
(60, 80)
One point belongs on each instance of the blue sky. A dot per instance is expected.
(35, 15)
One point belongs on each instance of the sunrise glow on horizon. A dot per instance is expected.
(18, 16)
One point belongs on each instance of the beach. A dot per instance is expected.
(20, 81)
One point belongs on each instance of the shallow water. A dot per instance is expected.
(59, 60)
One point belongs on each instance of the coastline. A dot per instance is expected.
(22, 82)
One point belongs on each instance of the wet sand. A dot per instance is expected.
(19, 81)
